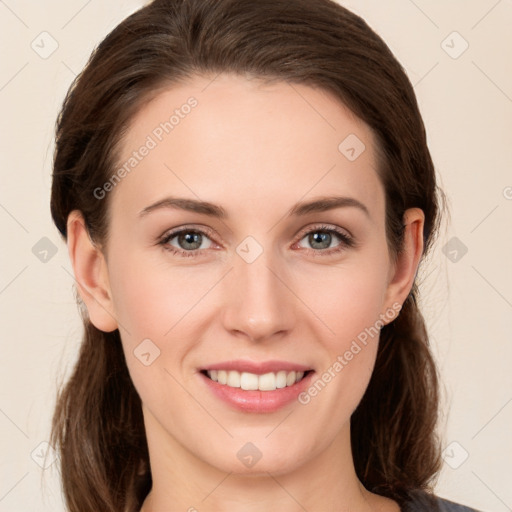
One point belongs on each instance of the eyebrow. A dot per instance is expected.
(302, 208)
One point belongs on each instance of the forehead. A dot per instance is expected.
(246, 144)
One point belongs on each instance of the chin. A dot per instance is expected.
(258, 458)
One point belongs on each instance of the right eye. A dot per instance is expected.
(190, 242)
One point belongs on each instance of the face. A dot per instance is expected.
(246, 316)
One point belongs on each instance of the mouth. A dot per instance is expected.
(248, 381)
(256, 386)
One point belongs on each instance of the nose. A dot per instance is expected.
(258, 302)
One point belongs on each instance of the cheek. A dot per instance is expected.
(161, 304)
(349, 358)
(150, 297)
(350, 306)
(348, 300)
(149, 303)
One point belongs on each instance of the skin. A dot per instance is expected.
(255, 149)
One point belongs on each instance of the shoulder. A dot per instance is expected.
(425, 502)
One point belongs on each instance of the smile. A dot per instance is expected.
(251, 382)
(256, 386)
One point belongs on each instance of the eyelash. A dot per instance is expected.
(346, 241)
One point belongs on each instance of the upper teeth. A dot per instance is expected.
(251, 381)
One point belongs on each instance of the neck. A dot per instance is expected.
(326, 481)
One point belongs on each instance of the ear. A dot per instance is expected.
(403, 270)
(91, 273)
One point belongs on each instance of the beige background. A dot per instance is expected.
(466, 101)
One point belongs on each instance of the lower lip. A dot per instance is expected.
(257, 401)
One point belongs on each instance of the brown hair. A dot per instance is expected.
(97, 425)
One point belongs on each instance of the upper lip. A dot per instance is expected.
(258, 367)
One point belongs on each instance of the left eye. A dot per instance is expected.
(320, 239)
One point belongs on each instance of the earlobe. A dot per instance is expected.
(91, 274)
(407, 261)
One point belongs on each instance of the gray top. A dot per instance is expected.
(420, 503)
(450, 506)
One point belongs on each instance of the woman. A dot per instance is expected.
(246, 193)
